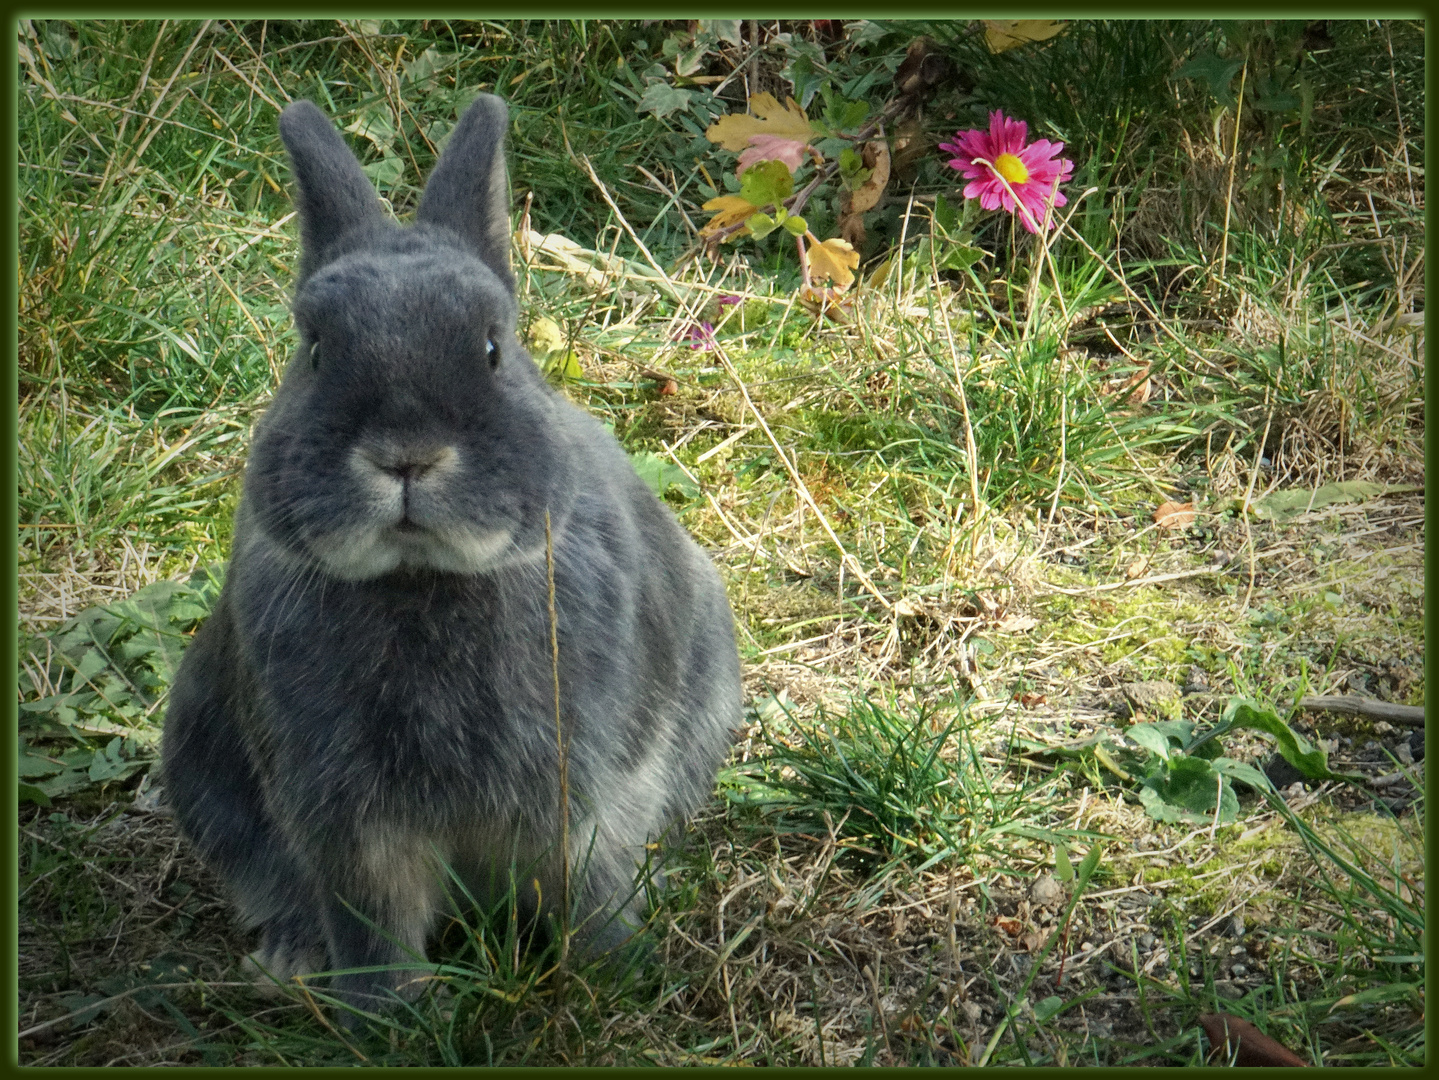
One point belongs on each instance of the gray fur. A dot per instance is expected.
(373, 695)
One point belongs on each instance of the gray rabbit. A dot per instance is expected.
(373, 698)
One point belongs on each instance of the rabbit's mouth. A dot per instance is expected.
(409, 545)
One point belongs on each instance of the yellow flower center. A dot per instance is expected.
(1011, 168)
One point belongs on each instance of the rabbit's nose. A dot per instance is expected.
(412, 463)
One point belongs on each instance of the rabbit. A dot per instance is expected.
(370, 707)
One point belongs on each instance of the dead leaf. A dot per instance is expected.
(1137, 567)
(876, 158)
(1232, 1037)
(834, 260)
(732, 210)
(788, 121)
(825, 303)
(923, 66)
(1173, 515)
(1016, 624)
(1012, 927)
(667, 384)
(1002, 34)
(1031, 941)
(1031, 700)
(911, 145)
(772, 148)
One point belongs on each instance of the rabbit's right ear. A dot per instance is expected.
(332, 194)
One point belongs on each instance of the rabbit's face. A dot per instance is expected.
(412, 431)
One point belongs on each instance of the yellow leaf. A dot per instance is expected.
(833, 259)
(546, 336)
(731, 209)
(787, 121)
(1001, 34)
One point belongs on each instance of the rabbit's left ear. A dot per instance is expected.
(469, 191)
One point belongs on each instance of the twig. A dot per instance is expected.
(155, 130)
(248, 81)
(624, 223)
(1153, 579)
(1353, 705)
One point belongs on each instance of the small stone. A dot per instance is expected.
(1046, 892)
(1087, 947)
(1236, 926)
(1226, 988)
(1403, 754)
(972, 1012)
(1238, 970)
(1147, 696)
(1146, 941)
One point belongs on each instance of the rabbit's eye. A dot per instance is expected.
(492, 352)
(315, 355)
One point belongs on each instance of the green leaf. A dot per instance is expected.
(1047, 1008)
(1280, 506)
(1311, 762)
(1215, 72)
(766, 183)
(662, 99)
(761, 224)
(422, 69)
(722, 30)
(796, 225)
(960, 257)
(1063, 868)
(386, 172)
(68, 781)
(377, 125)
(90, 665)
(849, 114)
(661, 475)
(32, 765)
(561, 366)
(945, 215)
(1238, 770)
(30, 793)
(1187, 792)
(1151, 738)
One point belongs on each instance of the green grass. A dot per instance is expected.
(989, 445)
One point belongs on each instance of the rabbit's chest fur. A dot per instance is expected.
(428, 699)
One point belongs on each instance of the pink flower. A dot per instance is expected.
(700, 336)
(1030, 170)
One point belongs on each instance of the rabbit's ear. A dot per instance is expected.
(332, 195)
(469, 191)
